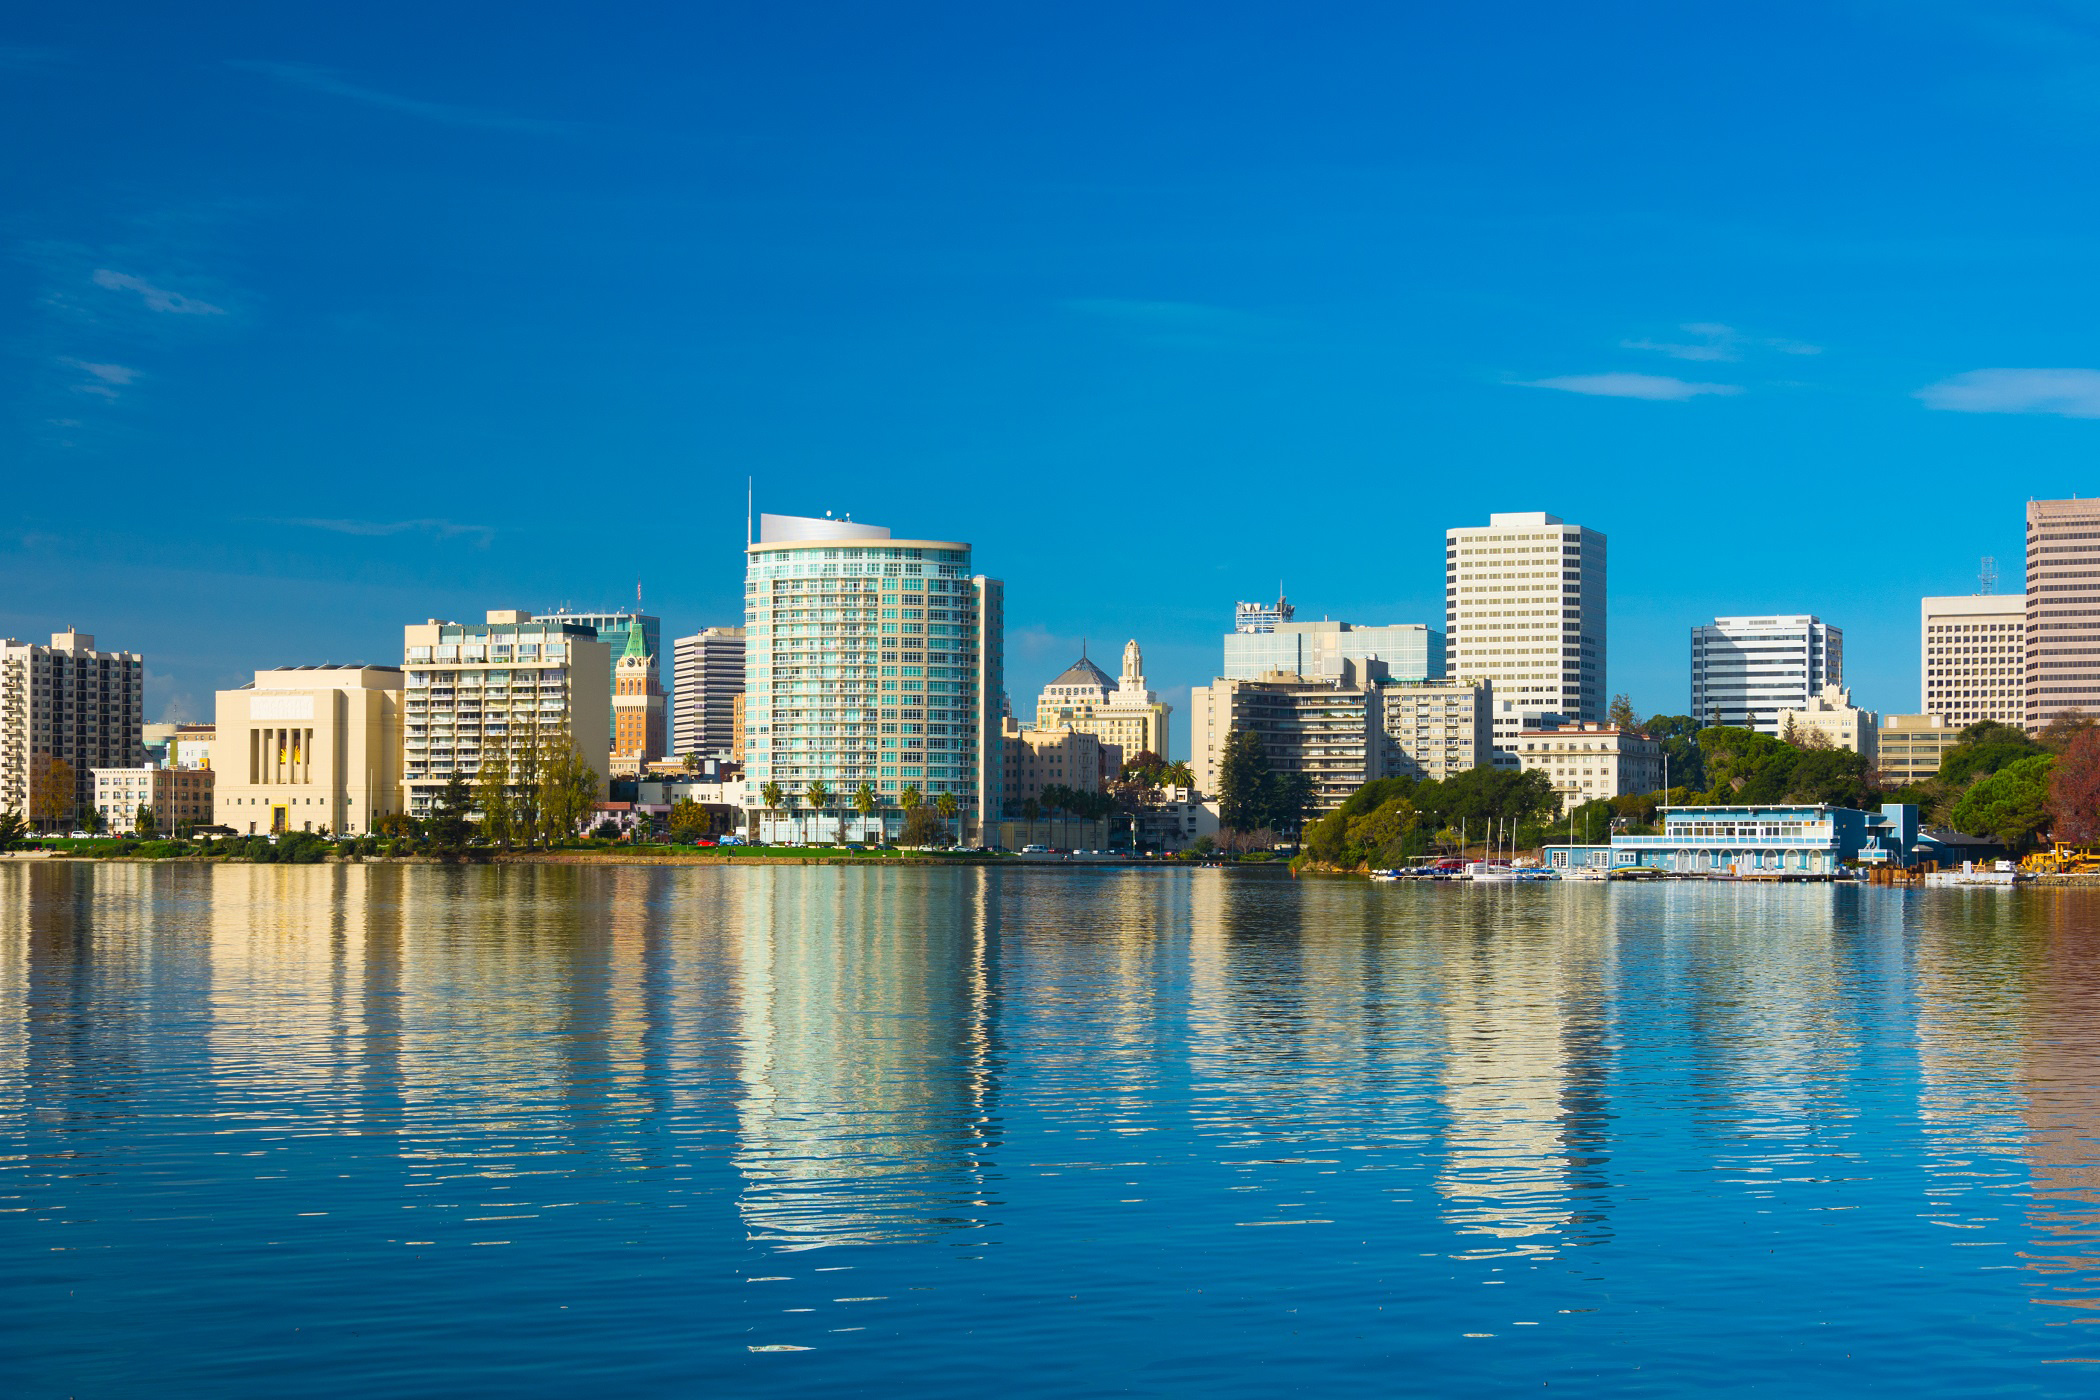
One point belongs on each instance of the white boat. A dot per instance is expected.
(1484, 870)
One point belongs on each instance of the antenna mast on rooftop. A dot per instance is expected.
(1987, 576)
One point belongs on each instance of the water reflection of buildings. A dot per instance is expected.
(864, 1106)
(2008, 1029)
(1527, 1003)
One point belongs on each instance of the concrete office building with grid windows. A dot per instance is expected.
(1524, 609)
(870, 659)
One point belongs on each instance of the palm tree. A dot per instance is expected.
(772, 795)
(865, 802)
(947, 806)
(817, 795)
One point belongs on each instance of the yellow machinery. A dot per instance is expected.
(2063, 858)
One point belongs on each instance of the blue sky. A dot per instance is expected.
(316, 323)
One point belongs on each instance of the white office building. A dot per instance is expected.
(871, 660)
(1524, 609)
(1747, 670)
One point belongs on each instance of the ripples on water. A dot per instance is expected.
(534, 1130)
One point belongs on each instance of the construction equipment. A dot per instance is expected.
(2064, 858)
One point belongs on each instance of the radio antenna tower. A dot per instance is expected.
(1987, 576)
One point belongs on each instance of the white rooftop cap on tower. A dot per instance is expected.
(787, 529)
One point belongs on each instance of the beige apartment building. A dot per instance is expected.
(1590, 761)
(1041, 758)
(1331, 728)
(66, 703)
(1972, 658)
(1912, 746)
(501, 689)
(1831, 713)
(1126, 717)
(2062, 637)
(179, 798)
(308, 748)
(1436, 728)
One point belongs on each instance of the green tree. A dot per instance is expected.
(865, 802)
(688, 820)
(492, 797)
(818, 795)
(1245, 795)
(911, 798)
(145, 822)
(527, 788)
(51, 784)
(1982, 748)
(1328, 840)
(1684, 764)
(1837, 776)
(567, 790)
(691, 761)
(2011, 806)
(449, 817)
(12, 828)
(1621, 714)
(921, 826)
(2057, 734)
(947, 805)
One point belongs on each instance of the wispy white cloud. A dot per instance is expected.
(442, 529)
(2070, 393)
(1659, 387)
(156, 298)
(321, 80)
(108, 374)
(1715, 341)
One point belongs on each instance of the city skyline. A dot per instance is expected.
(1034, 656)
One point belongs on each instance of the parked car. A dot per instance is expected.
(1035, 850)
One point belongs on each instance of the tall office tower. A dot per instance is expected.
(498, 691)
(612, 628)
(66, 703)
(1524, 608)
(1261, 617)
(1745, 670)
(1972, 658)
(872, 660)
(637, 706)
(1411, 651)
(707, 674)
(2063, 610)
(1126, 717)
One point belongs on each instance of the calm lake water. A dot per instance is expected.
(271, 1130)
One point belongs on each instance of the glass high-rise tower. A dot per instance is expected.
(869, 660)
